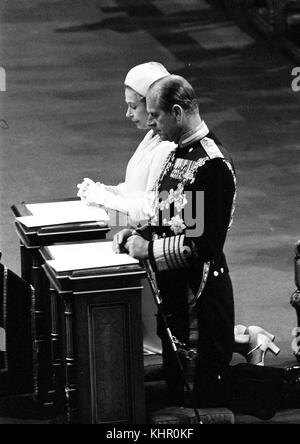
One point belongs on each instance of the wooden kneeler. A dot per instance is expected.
(16, 336)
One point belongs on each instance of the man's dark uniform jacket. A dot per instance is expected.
(16, 356)
(187, 267)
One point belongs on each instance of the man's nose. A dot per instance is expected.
(150, 122)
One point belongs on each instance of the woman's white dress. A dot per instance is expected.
(135, 195)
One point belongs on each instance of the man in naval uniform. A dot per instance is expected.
(190, 265)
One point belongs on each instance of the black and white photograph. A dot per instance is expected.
(149, 214)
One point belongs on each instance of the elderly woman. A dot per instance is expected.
(135, 196)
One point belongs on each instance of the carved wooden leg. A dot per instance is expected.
(43, 333)
(26, 264)
(295, 302)
(57, 382)
(34, 343)
(70, 364)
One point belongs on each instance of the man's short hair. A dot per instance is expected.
(175, 90)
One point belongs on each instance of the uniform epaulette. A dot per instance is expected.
(211, 148)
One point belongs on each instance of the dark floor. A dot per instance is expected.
(65, 63)
(24, 409)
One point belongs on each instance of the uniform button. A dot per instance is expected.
(222, 270)
(216, 274)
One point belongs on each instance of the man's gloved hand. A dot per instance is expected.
(130, 242)
(120, 240)
(137, 247)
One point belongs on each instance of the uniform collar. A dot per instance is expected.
(193, 135)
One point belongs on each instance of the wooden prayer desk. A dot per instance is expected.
(31, 240)
(101, 326)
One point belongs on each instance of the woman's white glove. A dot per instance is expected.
(82, 187)
(91, 193)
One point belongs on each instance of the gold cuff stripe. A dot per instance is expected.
(170, 253)
(159, 255)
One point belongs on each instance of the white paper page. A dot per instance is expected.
(2, 340)
(56, 213)
(86, 255)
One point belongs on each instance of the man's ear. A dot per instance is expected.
(177, 112)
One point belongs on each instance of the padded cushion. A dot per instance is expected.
(153, 367)
(183, 415)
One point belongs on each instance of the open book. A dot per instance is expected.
(57, 213)
(83, 256)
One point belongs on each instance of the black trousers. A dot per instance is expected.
(214, 315)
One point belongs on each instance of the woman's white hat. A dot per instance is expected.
(141, 77)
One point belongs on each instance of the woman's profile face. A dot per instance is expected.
(136, 108)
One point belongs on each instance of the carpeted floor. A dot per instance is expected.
(65, 64)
